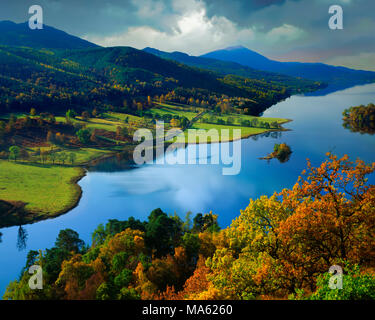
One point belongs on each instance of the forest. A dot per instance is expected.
(117, 79)
(279, 247)
(360, 119)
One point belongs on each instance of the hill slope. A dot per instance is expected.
(57, 80)
(53, 71)
(313, 71)
(126, 64)
(19, 34)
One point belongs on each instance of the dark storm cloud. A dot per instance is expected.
(239, 11)
(318, 42)
(77, 16)
(103, 17)
(312, 17)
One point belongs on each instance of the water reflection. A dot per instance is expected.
(332, 88)
(21, 238)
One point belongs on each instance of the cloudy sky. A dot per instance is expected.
(286, 30)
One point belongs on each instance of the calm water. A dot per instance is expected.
(316, 129)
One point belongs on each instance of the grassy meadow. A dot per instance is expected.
(237, 118)
(163, 109)
(203, 123)
(45, 189)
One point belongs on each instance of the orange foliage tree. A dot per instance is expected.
(283, 242)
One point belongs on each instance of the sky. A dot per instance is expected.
(285, 30)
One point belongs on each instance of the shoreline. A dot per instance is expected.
(247, 135)
(28, 217)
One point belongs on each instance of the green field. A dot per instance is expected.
(94, 123)
(120, 117)
(110, 121)
(46, 190)
(85, 155)
(82, 155)
(238, 117)
(182, 107)
(245, 132)
(174, 111)
(202, 124)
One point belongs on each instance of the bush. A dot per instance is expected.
(83, 135)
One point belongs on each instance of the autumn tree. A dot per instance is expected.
(174, 122)
(74, 276)
(282, 243)
(85, 115)
(333, 216)
(198, 287)
(50, 137)
(60, 138)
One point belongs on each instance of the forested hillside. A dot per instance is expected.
(118, 78)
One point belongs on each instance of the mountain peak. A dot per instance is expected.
(150, 49)
(239, 54)
(238, 47)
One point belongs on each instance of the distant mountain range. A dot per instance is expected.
(19, 34)
(55, 71)
(219, 66)
(312, 71)
(233, 60)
